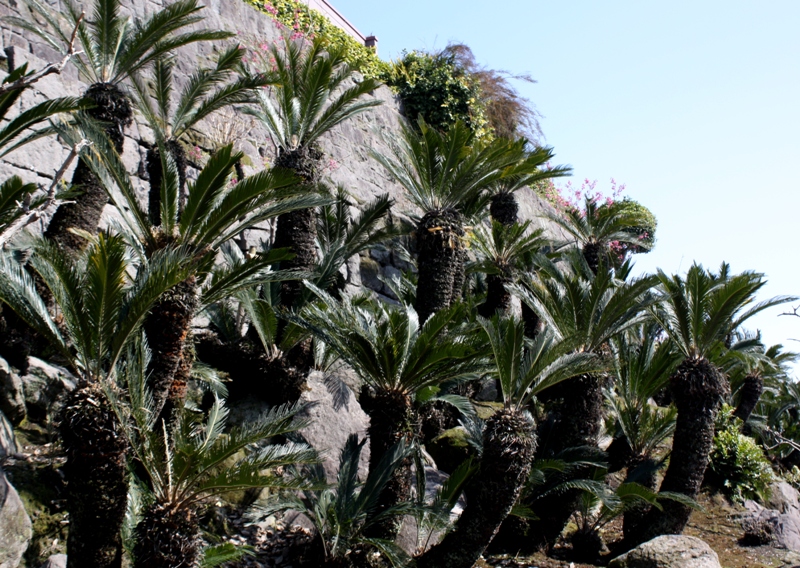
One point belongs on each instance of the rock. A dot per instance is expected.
(334, 414)
(369, 271)
(8, 445)
(12, 394)
(15, 525)
(409, 539)
(43, 385)
(669, 551)
(56, 561)
(783, 497)
(785, 527)
(450, 449)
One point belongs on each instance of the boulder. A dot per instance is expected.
(669, 551)
(335, 414)
(12, 395)
(8, 445)
(410, 539)
(43, 385)
(783, 527)
(783, 497)
(56, 561)
(15, 525)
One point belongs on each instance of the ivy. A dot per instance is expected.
(301, 21)
(435, 87)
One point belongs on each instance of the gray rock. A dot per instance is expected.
(43, 385)
(411, 539)
(669, 551)
(370, 270)
(8, 444)
(785, 526)
(783, 497)
(12, 395)
(334, 414)
(56, 561)
(15, 525)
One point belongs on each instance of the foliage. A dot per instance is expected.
(436, 88)
(306, 76)
(509, 114)
(114, 46)
(738, 464)
(307, 23)
(342, 512)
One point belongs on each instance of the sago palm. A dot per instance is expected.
(215, 212)
(396, 357)
(509, 438)
(446, 175)
(343, 512)
(500, 254)
(642, 369)
(311, 96)
(113, 47)
(588, 310)
(698, 313)
(503, 206)
(171, 117)
(196, 461)
(595, 226)
(102, 308)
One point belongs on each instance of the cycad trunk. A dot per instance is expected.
(297, 230)
(498, 298)
(504, 208)
(593, 253)
(391, 419)
(167, 327)
(697, 388)
(576, 408)
(440, 261)
(167, 537)
(509, 444)
(752, 389)
(96, 474)
(533, 323)
(156, 175)
(113, 107)
(642, 470)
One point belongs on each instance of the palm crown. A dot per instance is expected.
(310, 96)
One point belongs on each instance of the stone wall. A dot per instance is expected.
(348, 146)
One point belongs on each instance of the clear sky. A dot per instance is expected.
(695, 106)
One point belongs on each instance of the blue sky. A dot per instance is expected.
(695, 106)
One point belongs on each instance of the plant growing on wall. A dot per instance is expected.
(305, 22)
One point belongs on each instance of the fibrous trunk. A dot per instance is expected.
(96, 474)
(112, 107)
(593, 252)
(297, 230)
(504, 208)
(156, 174)
(167, 327)
(751, 391)
(273, 378)
(509, 444)
(167, 537)
(440, 261)
(697, 388)
(533, 323)
(642, 470)
(498, 299)
(391, 419)
(576, 411)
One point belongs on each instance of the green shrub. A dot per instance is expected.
(738, 464)
(435, 87)
(302, 21)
